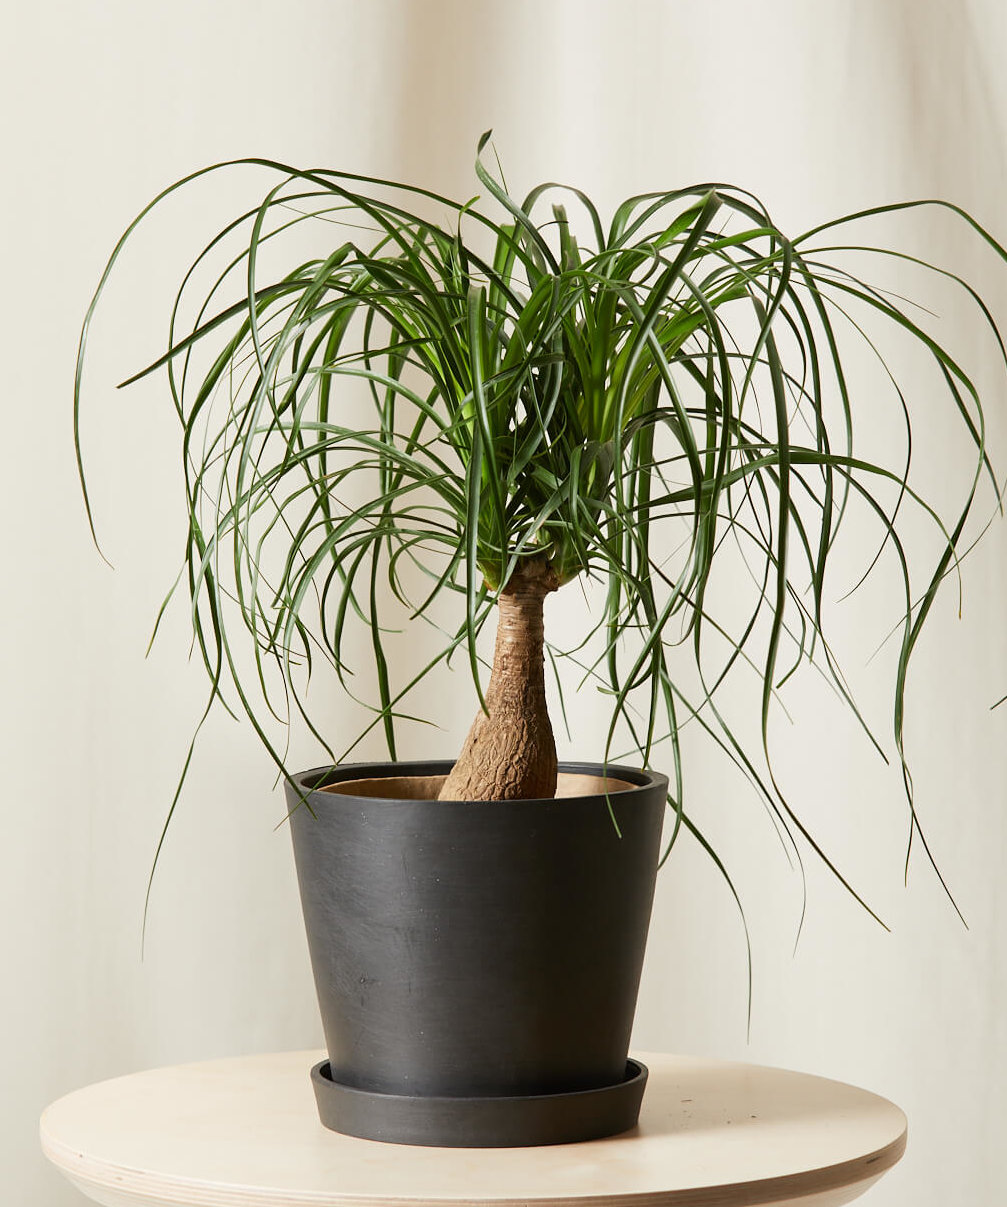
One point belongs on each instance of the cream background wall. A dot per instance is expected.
(819, 108)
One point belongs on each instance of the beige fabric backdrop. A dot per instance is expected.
(819, 108)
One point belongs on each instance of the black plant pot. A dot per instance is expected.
(477, 963)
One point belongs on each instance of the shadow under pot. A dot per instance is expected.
(477, 963)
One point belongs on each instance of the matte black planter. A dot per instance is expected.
(476, 950)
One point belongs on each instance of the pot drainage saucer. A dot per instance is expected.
(497, 1122)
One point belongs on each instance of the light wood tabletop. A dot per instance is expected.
(244, 1133)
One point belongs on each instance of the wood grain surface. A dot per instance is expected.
(244, 1133)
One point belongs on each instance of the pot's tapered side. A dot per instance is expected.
(476, 949)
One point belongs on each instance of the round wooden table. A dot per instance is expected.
(245, 1133)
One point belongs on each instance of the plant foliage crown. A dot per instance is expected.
(538, 387)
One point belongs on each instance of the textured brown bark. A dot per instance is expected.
(510, 752)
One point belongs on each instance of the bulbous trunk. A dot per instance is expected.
(510, 752)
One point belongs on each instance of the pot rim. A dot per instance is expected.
(314, 781)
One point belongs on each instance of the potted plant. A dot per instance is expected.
(445, 407)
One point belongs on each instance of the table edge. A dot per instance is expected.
(154, 1189)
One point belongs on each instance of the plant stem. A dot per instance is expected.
(510, 752)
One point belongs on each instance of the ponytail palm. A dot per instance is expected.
(548, 398)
